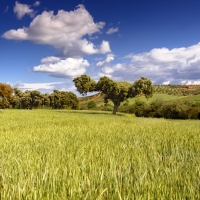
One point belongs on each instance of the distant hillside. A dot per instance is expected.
(178, 89)
(164, 92)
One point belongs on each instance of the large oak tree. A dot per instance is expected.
(117, 92)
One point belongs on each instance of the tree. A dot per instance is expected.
(35, 99)
(46, 100)
(26, 100)
(84, 84)
(61, 99)
(6, 94)
(117, 92)
(16, 98)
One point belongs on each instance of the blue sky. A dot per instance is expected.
(45, 44)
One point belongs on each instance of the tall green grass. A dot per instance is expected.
(49, 154)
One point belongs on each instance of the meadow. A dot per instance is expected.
(53, 154)
(166, 97)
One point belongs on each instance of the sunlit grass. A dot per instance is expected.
(164, 97)
(48, 154)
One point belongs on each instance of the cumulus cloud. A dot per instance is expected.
(112, 30)
(64, 31)
(68, 68)
(109, 58)
(161, 65)
(23, 9)
(51, 59)
(166, 83)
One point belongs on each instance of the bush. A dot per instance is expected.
(155, 108)
(127, 109)
(107, 108)
(91, 104)
(193, 113)
(174, 110)
(168, 110)
(141, 108)
(126, 103)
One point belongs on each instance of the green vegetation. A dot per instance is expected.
(91, 104)
(160, 105)
(15, 98)
(181, 90)
(56, 154)
(169, 110)
(5, 95)
(117, 92)
(165, 97)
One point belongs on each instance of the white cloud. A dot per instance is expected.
(191, 82)
(37, 3)
(23, 9)
(109, 58)
(166, 83)
(64, 31)
(47, 87)
(112, 30)
(51, 59)
(68, 68)
(36, 86)
(161, 65)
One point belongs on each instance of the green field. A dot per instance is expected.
(165, 97)
(50, 154)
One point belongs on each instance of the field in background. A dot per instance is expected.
(49, 154)
(166, 97)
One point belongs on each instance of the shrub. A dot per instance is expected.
(126, 103)
(174, 110)
(169, 110)
(193, 113)
(127, 109)
(91, 104)
(141, 108)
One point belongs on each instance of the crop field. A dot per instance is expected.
(52, 154)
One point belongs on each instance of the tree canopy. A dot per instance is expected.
(61, 99)
(117, 92)
(34, 99)
(6, 94)
(84, 84)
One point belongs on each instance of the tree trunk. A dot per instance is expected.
(116, 105)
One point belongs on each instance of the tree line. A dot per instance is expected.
(117, 92)
(29, 99)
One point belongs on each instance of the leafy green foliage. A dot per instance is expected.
(61, 99)
(168, 110)
(117, 92)
(34, 99)
(26, 100)
(143, 86)
(84, 84)
(91, 104)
